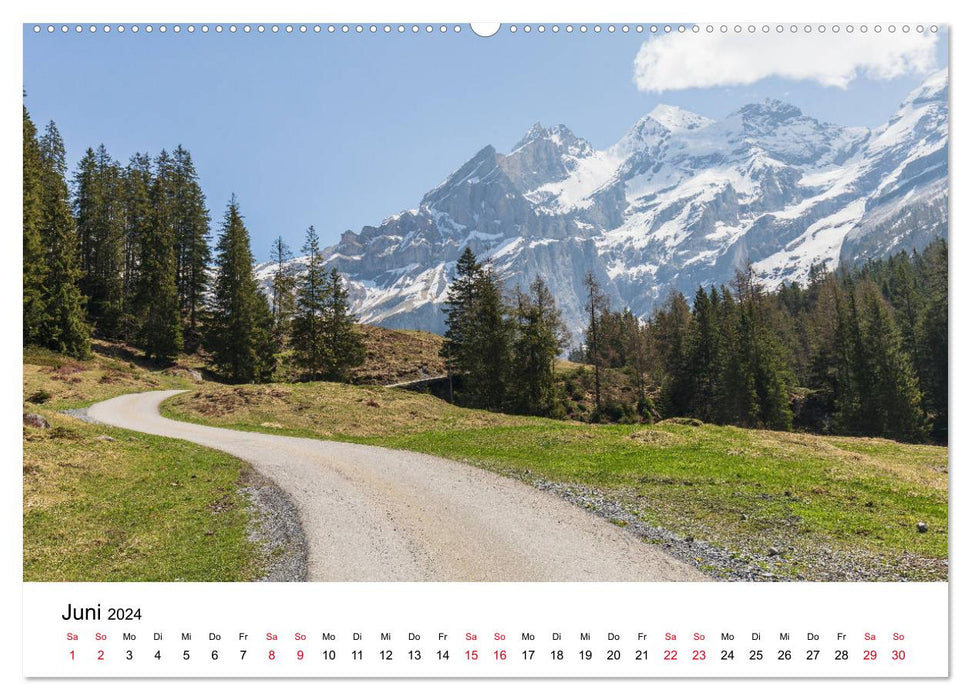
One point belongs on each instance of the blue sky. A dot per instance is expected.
(340, 131)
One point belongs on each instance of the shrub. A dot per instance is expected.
(40, 396)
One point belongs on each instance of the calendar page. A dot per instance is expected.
(515, 350)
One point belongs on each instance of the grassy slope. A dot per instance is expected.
(113, 370)
(398, 356)
(136, 508)
(391, 356)
(745, 490)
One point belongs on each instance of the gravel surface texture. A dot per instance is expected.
(374, 514)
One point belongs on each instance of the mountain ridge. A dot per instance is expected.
(679, 200)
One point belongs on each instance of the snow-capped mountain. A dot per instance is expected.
(679, 201)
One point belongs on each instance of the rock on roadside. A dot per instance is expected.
(35, 420)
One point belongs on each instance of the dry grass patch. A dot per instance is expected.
(398, 356)
(853, 458)
(329, 410)
(655, 438)
(57, 382)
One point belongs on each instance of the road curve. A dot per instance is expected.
(375, 514)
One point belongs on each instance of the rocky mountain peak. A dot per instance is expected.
(559, 136)
(676, 119)
(544, 155)
(536, 131)
(482, 165)
(769, 117)
(934, 88)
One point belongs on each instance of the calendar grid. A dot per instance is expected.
(486, 630)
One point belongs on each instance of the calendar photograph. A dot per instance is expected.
(461, 303)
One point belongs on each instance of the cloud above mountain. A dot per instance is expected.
(703, 60)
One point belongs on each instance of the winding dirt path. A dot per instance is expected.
(375, 514)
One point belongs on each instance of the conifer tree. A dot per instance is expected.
(539, 338)
(640, 351)
(283, 290)
(137, 214)
(613, 330)
(457, 349)
(596, 307)
(239, 335)
(191, 224)
(63, 328)
(308, 330)
(760, 349)
(824, 332)
(160, 325)
(851, 375)
(344, 347)
(486, 378)
(932, 338)
(34, 258)
(702, 362)
(736, 400)
(86, 203)
(892, 401)
(901, 292)
(672, 324)
(99, 210)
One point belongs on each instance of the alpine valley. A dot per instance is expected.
(679, 201)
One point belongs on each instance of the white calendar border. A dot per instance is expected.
(440, 10)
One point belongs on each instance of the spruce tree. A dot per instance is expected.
(239, 335)
(99, 210)
(843, 338)
(86, 205)
(892, 402)
(487, 375)
(137, 214)
(753, 382)
(851, 373)
(63, 327)
(596, 349)
(34, 258)
(283, 298)
(539, 336)
(191, 224)
(823, 332)
(457, 349)
(760, 347)
(901, 292)
(737, 400)
(613, 338)
(672, 327)
(160, 325)
(702, 362)
(932, 338)
(308, 330)
(344, 347)
(641, 353)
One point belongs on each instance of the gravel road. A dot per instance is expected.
(374, 514)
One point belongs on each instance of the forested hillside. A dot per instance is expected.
(855, 352)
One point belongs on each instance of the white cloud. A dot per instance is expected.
(679, 61)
